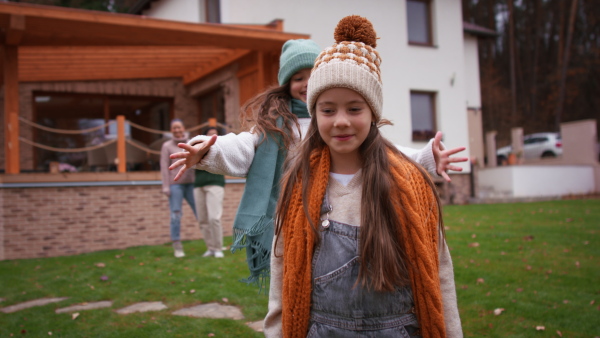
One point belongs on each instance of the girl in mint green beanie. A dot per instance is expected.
(275, 121)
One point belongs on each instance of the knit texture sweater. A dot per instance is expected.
(419, 220)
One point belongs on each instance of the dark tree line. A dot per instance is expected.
(543, 68)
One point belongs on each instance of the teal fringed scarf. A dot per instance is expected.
(253, 225)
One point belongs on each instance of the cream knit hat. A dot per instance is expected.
(352, 62)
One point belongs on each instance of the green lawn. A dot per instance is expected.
(537, 261)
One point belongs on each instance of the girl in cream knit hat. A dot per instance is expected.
(359, 248)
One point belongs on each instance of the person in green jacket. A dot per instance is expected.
(209, 190)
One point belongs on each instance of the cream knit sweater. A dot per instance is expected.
(345, 201)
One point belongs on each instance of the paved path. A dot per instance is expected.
(31, 303)
(86, 306)
(210, 310)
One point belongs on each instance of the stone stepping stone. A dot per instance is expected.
(31, 303)
(142, 307)
(256, 326)
(211, 310)
(86, 306)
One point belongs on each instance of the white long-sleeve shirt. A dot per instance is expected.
(232, 154)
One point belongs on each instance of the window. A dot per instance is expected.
(422, 112)
(418, 17)
(213, 11)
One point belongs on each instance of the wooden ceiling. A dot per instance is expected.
(63, 44)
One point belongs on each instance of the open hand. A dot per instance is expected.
(442, 157)
(191, 156)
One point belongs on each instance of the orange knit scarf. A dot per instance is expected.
(420, 225)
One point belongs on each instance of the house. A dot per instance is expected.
(429, 64)
(77, 82)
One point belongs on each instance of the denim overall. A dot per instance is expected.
(341, 307)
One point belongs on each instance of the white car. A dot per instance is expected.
(539, 145)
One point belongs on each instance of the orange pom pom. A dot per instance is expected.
(355, 28)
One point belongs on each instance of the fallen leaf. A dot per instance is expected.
(569, 220)
(586, 242)
(498, 311)
(577, 264)
(519, 290)
(192, 291)
(489, 293)
(211, 334)
(528, 238)
(104, 278)
(473, 245)
(566, 301)
(507, 240)
(480, 281)
(473, 235)
(100, 265)
(183, 291)
(528, 267)
(92, 287)
(540, 328)
(592, 302)
(559, 333)
(74, 315)
(141, 263)
(503, 253)
(49, 333)
(225, 300)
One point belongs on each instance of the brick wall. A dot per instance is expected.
(44, 222)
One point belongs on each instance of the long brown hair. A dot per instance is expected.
(260, 114)
(383, 260)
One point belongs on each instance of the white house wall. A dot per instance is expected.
(472, 80)
(180, 10)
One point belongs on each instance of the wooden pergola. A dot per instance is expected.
(42, 43)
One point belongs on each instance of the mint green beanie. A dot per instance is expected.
(296, 55)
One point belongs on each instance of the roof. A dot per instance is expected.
(478, 30)
(62, 44)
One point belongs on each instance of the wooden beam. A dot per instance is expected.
(121, 148)
(261, 71)
(11, 110)
(15, 30)
(217, 64)
(48, 25)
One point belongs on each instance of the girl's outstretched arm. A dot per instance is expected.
(191, 156)
(231, 155)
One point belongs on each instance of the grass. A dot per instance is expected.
(537, 261)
